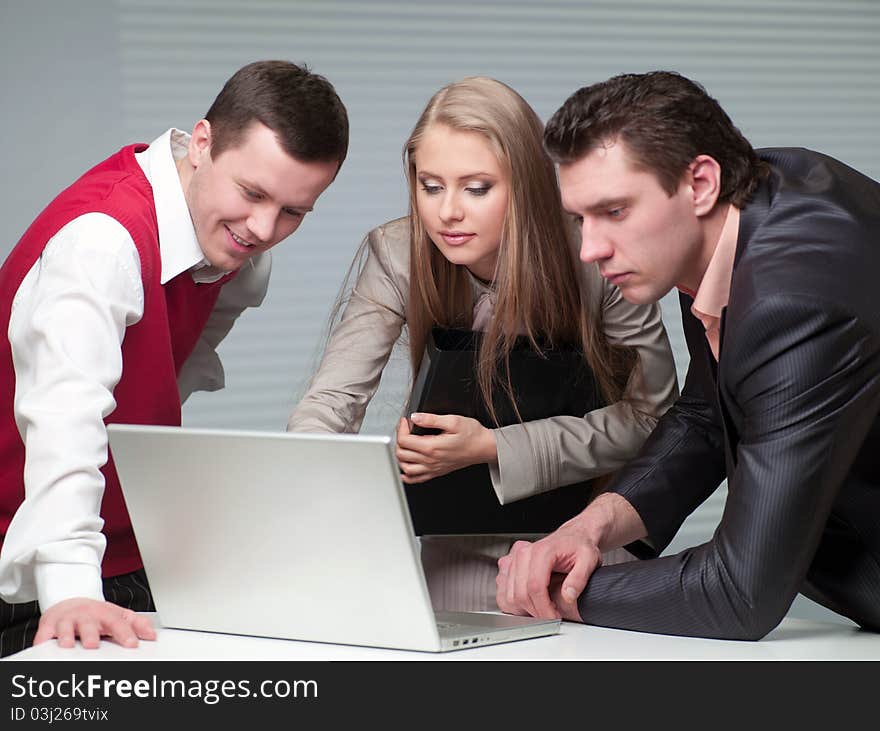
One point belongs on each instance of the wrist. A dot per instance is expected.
(597, 523)
(488, 446)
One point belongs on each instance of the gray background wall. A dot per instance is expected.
(80, 79)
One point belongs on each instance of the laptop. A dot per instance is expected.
(554, 382)
(290, 536)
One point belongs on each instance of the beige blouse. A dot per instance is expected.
(533, 457)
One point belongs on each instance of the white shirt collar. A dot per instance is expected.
(179, 248)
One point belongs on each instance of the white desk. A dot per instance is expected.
(794, 639)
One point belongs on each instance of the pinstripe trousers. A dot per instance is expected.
(18, 622)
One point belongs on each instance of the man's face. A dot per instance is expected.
(642, 239)
(251, 196)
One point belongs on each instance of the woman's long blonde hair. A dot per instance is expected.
(536, 283)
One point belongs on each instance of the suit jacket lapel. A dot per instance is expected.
(731, 433)
(751, 217)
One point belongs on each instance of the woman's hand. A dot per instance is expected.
(463, 442)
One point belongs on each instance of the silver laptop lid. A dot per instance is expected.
(294, 536)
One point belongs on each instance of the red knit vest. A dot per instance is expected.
(153, 350)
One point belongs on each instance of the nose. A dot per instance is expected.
(450, 208)
(262, 222)
(594, 245)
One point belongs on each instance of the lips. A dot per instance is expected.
(616, 278)
(456, 238)
(240, 243)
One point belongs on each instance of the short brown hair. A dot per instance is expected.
(300, 107)
(665, 120)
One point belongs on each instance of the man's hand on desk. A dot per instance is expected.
(90, 620)
(463, 442)
(545, 578)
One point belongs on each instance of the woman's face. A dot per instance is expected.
(462, 196)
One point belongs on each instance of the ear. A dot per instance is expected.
(199, 143)
(705, 179)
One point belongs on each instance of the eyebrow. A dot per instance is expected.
(429, 174)
(257, 189)
(605, 203)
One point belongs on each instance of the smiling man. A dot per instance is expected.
(775, 254)
(114, 302)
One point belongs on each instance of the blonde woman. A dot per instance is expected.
(488, 247)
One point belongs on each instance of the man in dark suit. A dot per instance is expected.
(776, 254)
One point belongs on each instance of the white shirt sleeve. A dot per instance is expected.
(66, 328)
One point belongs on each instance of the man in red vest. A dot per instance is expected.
(114, 301)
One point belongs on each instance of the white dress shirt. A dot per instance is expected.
(66, 327)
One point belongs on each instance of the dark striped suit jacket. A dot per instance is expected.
(789, 415)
